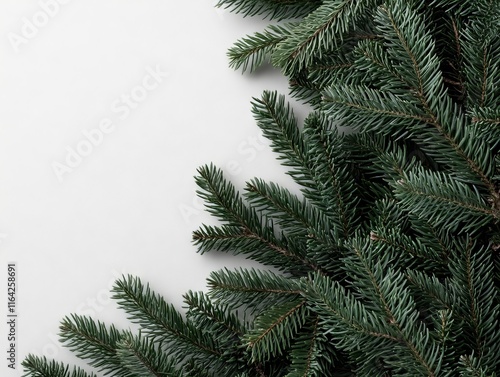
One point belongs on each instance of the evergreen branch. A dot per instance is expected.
(325, 69)
(322, 73)
(382, 160)
(322, 30)
(472, 269)
(488, 122)
(410, 251)
(307, 351)
(212, 317)
(143, 358)
(250, 52)
(373, 62)
(251, 287)
(474, 153)
(93, 341)
(447, 35)
(161, 322)
(313, 157)
(409, 39)
(394, 301)
(386, 112)
(240, 241)
(412, 49)
(481, 49)
(435, 292)
(274, 329)
(470, 367)
(433, 236)
(336, 191)
(394, 237)
(488, 116)
(278, 124)
(282, 253)
(223, 201)
(35, 366)
(446, 338)
(298, 219)
(347, 319)
(306, 85)
(443, 200)
(295, 216)
(274, 9)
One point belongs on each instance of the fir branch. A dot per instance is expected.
(387, 112)
(328, 187)
(322, 30)
(93, 341)
(386, 289)
(306, 85)
(214, 318)
(433, 236)
(249, 53)
(240, 241)
(447, 33)
(162, 323)
(435, 293)
(470, 367)
(252, 288)
(297, 217)
(411, 253)
(272, 9)
(278, 124)
(381, 160)
(304, 352)
(409, 40)
(335, 191)
(481, 49)
(446, 202)
(346, 318)
(223, 201)
(487, 120)
(274, 329)
(376, 68)
(412, 49)
(35, 366)
(486, 116)
(473, 164)
(144, 358)
(472, 269)
(312, 355)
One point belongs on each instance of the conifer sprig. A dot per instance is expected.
(272, 9)
(36, 366)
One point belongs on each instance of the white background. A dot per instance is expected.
(129, 205)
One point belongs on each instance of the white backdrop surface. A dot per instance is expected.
(107, 109)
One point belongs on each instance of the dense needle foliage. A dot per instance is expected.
(387, 263)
